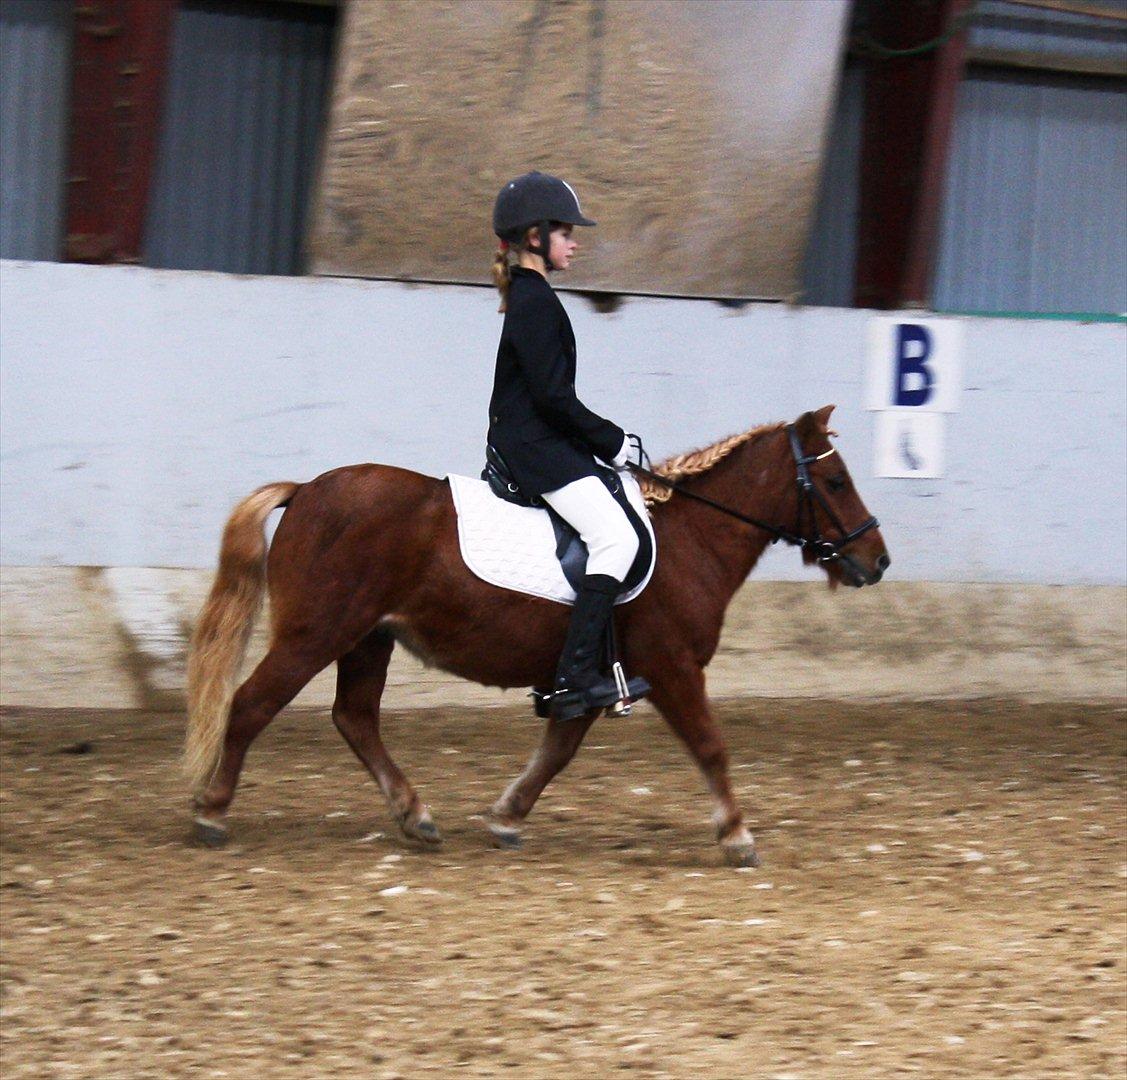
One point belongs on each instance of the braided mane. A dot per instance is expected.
(697, 461)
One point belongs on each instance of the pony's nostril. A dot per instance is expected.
(883, 563)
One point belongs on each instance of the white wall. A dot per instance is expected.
(136, 406)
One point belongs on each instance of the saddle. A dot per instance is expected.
(570, 549)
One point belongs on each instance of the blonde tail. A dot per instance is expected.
(222, 633)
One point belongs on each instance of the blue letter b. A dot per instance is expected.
(914, 379)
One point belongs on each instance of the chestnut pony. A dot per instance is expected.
(368, 555)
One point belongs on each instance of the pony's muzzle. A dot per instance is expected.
(857, 576)
(871, 577)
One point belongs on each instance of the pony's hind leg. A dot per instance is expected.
(277, 680)
(361, 675)
(557, 747)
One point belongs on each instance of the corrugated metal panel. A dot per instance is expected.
(1035, 212)
(998, 25)
(35, 43)
(830, 264)
(246, 100)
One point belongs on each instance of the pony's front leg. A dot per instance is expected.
(679, 695)
(361, 677)
(557, 747)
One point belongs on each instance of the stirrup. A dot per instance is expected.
(568, 704)
(629, 691)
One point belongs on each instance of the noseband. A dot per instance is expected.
(824, 550)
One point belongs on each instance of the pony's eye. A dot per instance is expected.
(837, 483)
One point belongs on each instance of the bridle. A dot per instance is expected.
(824, 550)
(809, 499)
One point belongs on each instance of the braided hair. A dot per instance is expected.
(502, 277)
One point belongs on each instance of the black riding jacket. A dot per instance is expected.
(546, 435)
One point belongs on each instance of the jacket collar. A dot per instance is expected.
(524, 272)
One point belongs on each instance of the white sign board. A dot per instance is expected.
(909, 444)
(914, 375)
(914, 364)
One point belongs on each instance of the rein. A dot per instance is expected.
(824, 550)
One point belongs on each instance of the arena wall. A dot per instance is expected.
(137, 406)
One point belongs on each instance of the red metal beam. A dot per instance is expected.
(909, 108)
(947, 73)
(121, 50)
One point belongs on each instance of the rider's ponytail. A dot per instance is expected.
(501, 275)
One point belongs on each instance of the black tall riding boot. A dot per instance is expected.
(580, 685)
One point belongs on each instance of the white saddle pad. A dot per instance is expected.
(514, 547)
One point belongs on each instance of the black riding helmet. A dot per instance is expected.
(536, 199)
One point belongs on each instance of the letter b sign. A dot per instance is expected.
(913, 378)
(914, 365)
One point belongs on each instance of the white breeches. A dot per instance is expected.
(602, 524)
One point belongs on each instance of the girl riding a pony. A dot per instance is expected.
(549, 440)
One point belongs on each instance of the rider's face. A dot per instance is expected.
(562, 247)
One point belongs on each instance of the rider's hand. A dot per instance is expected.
(631, 452)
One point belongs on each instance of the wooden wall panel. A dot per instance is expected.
(694, 133)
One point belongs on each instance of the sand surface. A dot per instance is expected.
(942, 893)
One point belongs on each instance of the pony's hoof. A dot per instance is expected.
(426, 831)
(421, 828)
(505, 836)
(741, 855)
(208, 834)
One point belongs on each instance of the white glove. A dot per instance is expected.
(631, 451)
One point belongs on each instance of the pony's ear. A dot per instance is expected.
(814, 423)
